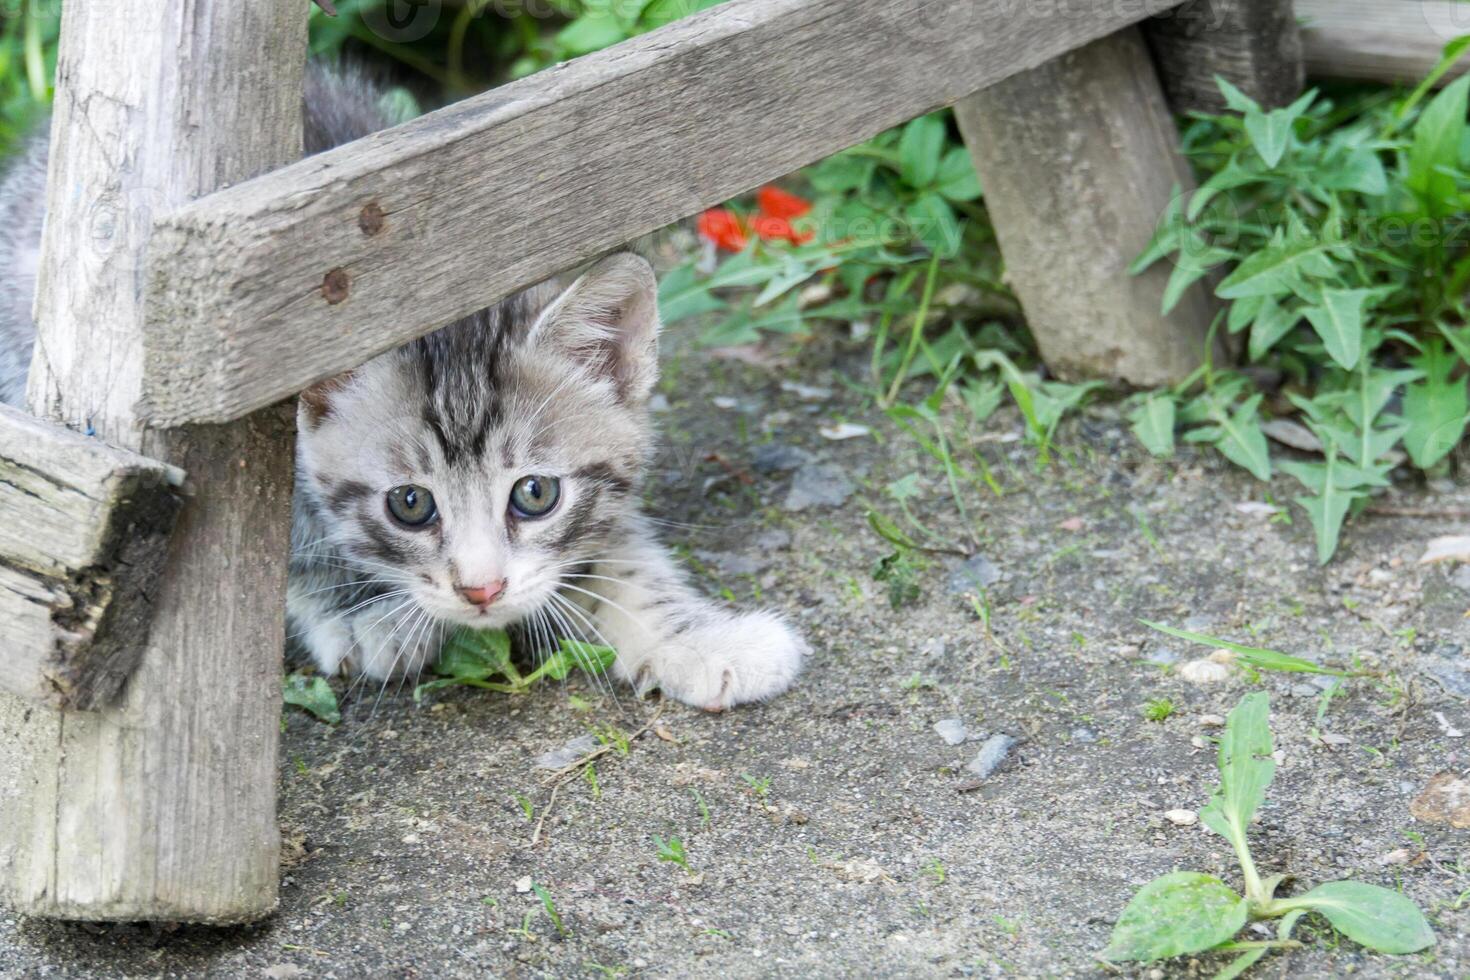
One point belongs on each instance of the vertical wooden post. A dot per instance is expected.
(163, 805)
(1079, 158)
(1255, 45)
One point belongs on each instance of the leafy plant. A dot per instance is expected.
(759, 785)
(672, 850)
(1341, 233)
(312, 693)
(1158, 709)
(893, 230)
(28, 36)
(472, 657)
(1258, 658)
(550, 907)
(1188, 912)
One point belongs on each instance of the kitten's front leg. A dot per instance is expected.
(392, 638)
(669, 636)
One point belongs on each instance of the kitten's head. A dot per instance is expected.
(475, 466)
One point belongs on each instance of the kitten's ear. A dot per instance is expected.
(608, 321)
(315, 403)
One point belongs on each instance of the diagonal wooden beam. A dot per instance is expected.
(261, 289)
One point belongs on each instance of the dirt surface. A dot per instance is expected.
(834, 831)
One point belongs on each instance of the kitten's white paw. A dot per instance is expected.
(396, 644)
(329, 641)
(722, 662)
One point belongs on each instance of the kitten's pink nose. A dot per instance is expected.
(482, 595)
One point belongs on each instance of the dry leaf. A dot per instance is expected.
(1452, 547)
(1292, 434)
(845, 430)
(1446, 799)
(865, 871)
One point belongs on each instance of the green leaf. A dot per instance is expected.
(1179, 913)
(657, 13)
(588, 33)
(982, 398)
(475, 654)
(1339, 322)
(592, 658)
(1374, 917)
(957, 178)
(681, 294)
(1258, 657)
(1436, 149)
(1276, 269)
(1270, 132)
(1275, 321)
(1153, 424)
(1435, 409)
(313, 694)
(1190, 267)
(919, 151)
(839, 174)
(1327, 513)
(1235, 98)
(1169, 233)
(1246, 768)
(1244, 312)
(1233, 175)
(1242, 441)
(932, 221)
(1453, 52)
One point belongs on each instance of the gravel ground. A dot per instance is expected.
(835, 831)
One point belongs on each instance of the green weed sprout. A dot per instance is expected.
(473, 657)
(1187, 912)
(672, 850)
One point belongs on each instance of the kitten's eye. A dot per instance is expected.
(412, 506)
(535, 496)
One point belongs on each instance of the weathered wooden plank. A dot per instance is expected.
(266, 287)
(1079, 158)
(1380, 40)
(161, 806)
(1254, 44)
(82, 543)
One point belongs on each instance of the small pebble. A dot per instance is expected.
(1212, 721)
(523, 885)
(568, 753)
(972, 575)
(1181, 818)
(991, 755)
(952, 730)
(818, 485)
(777, 457)
(1204, 672)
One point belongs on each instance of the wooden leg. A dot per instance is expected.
(161, 806)
(1253, 44)
(1079, 158)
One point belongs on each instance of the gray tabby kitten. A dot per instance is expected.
(485, 475)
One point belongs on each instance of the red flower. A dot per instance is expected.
(722, 226)
(771, 229)
(776, 203)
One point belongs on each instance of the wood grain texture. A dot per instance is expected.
(1254, 44)
(1395, 41)
(264, 288)
(1079, 158)
(82, 543)
(161, 806)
